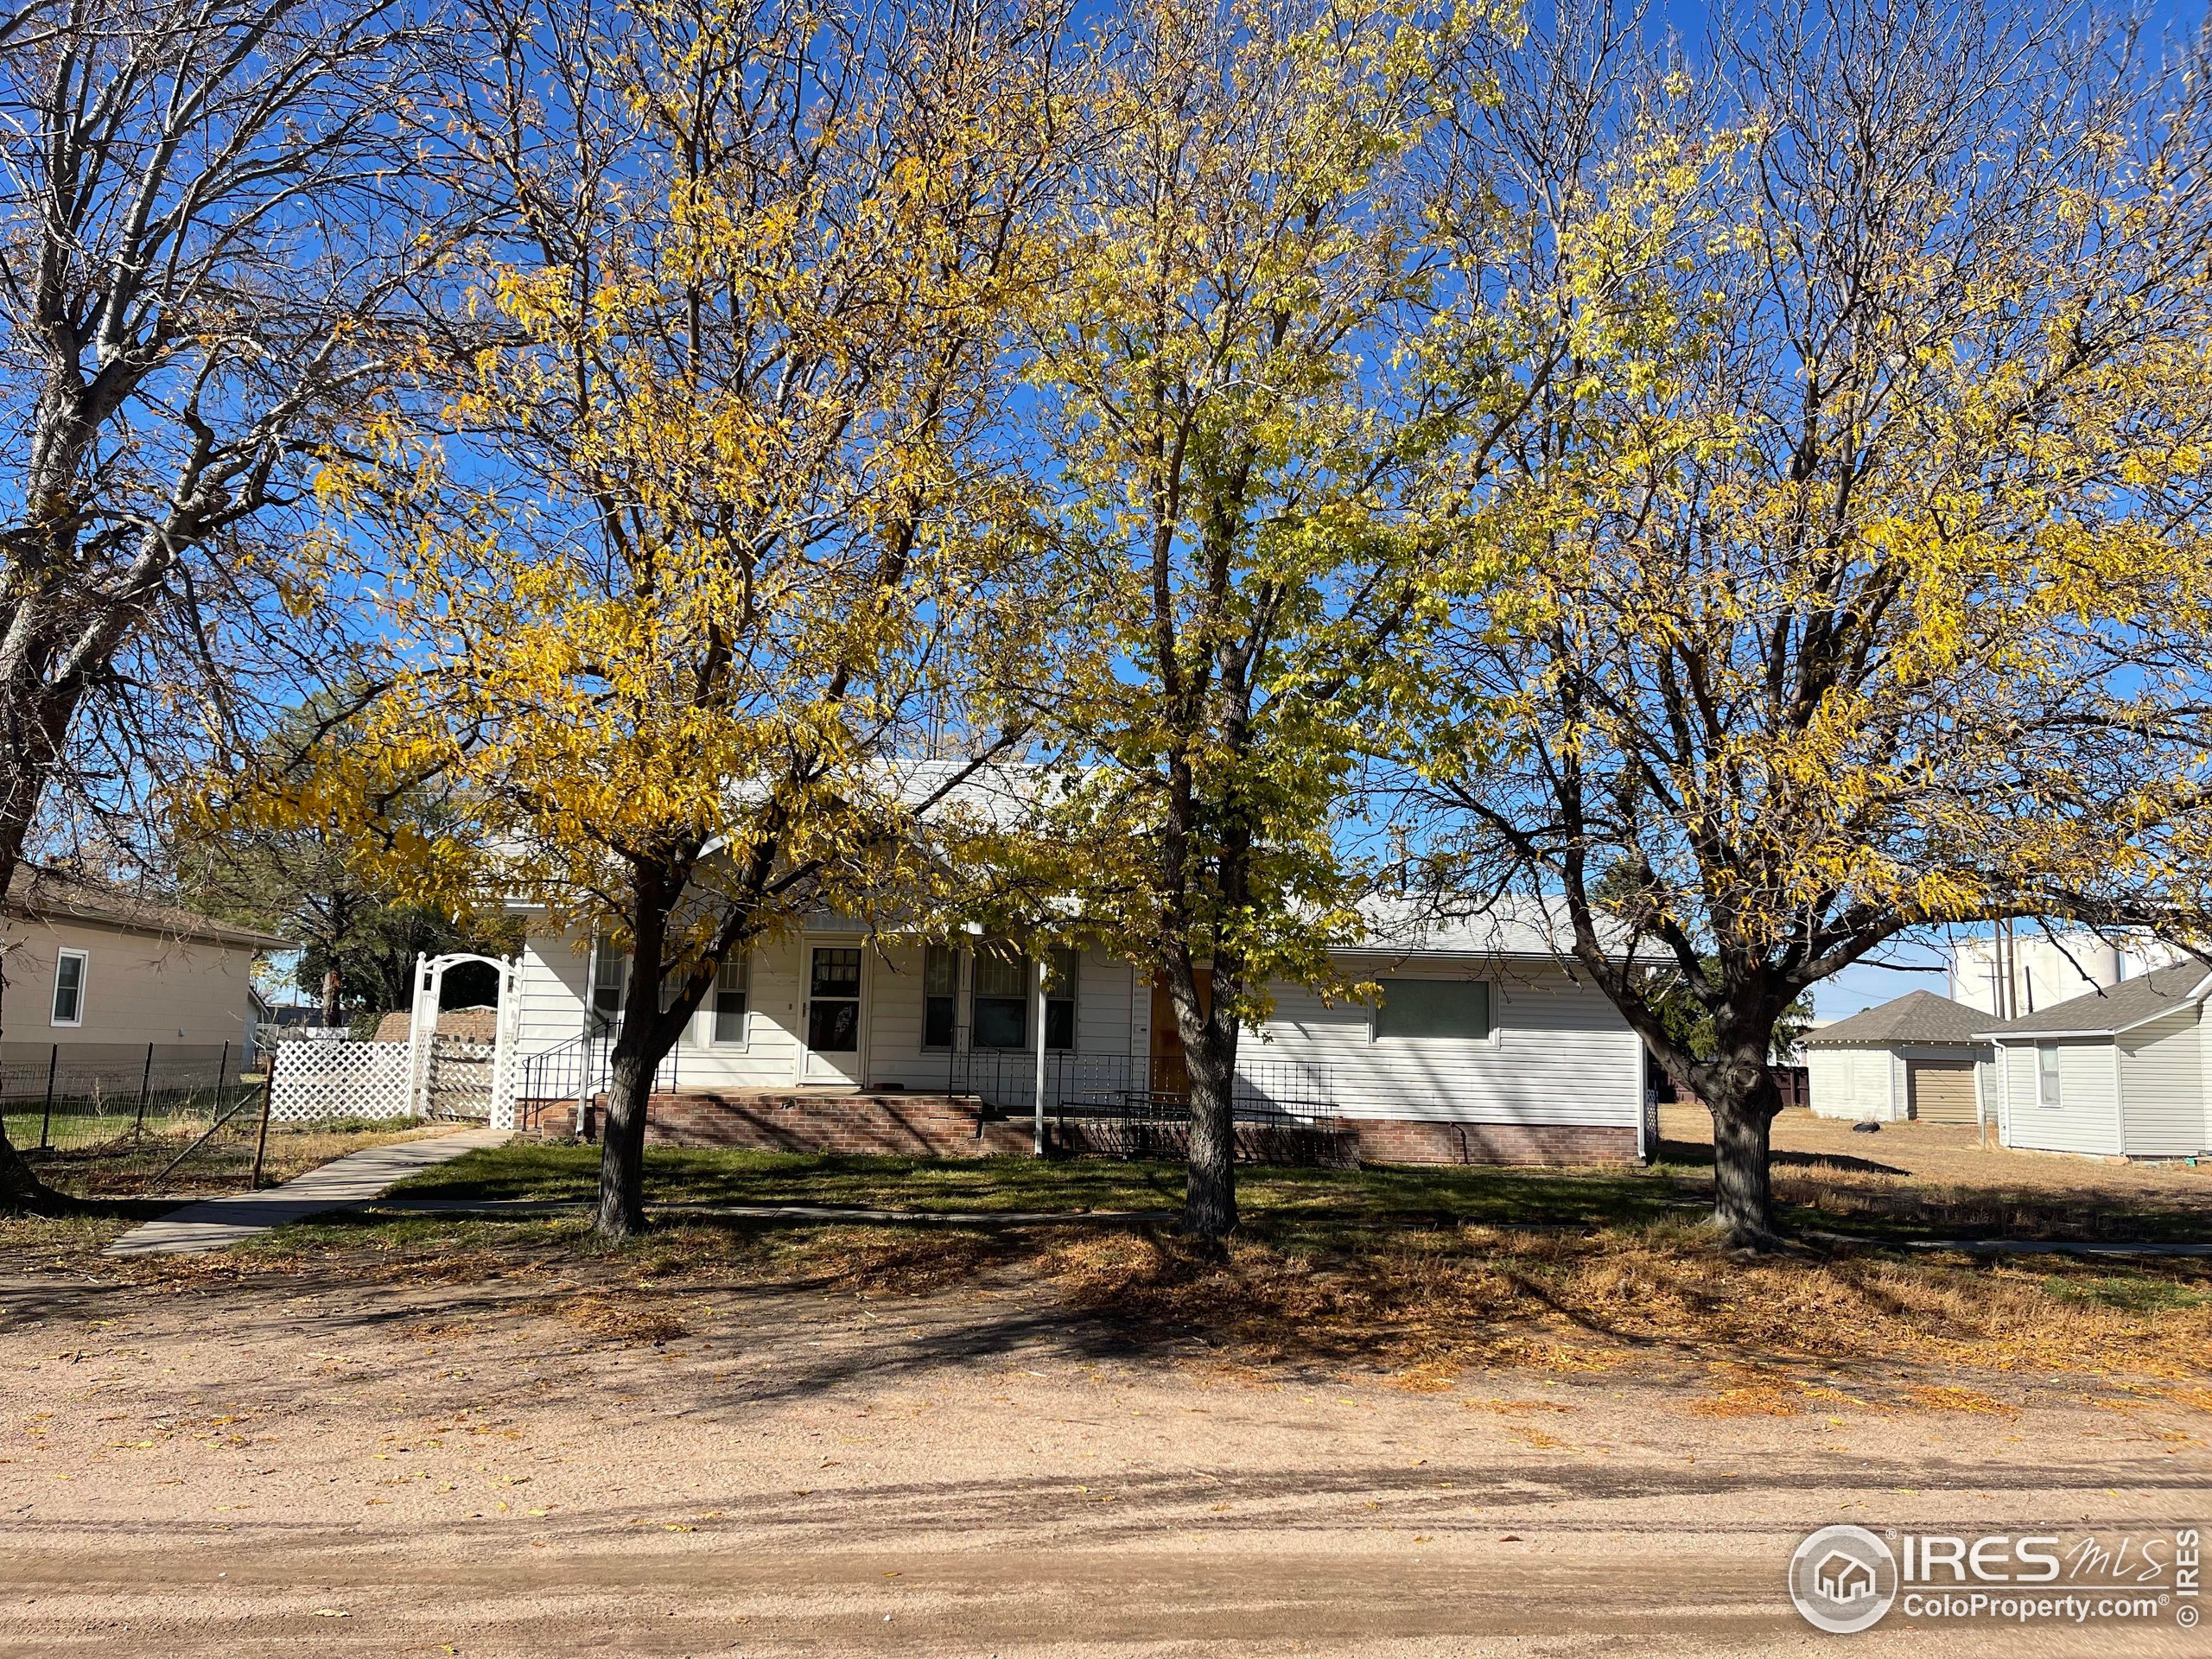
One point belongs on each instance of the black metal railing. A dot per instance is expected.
(1133, 1089)
(570, 1075)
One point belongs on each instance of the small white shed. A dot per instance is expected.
(1913, 1057)
(2119, 1072)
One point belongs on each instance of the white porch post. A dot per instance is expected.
(1038, 1028)
(503, 1044)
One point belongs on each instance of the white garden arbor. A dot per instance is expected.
(425, 1054)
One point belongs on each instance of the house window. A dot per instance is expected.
(1060, 999)
(69, 988)
(1455, 1010)
(1001, 1015)
(610, 976)
(2047, 1074)
(729, 1000)
(940, 995)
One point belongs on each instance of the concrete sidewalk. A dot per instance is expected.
(809, 1214)
(218, 1223)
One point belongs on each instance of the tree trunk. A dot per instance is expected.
(1209, 1030)
(622, 1149)
(1743, 1191)
(20, 1189)
(645, 1036)
(1210, 1188)
(330, 986)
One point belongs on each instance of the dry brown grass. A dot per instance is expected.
(628, 1320)
(1425, 1306)
(1436, 1303)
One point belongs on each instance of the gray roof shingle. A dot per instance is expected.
(1915, 1017)
(2120, 1008)
(40, 893)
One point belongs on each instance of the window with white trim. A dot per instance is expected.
(69, 970)
(940, 995)
(1432, 1010)
(1060, 973)
(1000, 1010)
(610, 978)
(2047, 1075)
(730, 985)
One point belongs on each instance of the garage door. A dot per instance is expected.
(1942, 1093)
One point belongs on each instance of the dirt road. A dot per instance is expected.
(323, 1464)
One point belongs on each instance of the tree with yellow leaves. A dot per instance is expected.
(707, 531)
(1243, 377)
(1861, 569)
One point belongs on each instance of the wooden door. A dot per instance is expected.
(1171, 1076)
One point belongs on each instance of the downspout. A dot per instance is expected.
(1643, 1087)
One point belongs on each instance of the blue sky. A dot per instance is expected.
(1891, 973)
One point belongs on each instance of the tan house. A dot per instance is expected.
(86, 963)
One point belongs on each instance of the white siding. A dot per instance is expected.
(768, 1058)
(550, 991)
(2162, 1086)
(1558, 1053)
(1853, 1083)
(2087, 1118)
(1104, 989)
(1106, 1000)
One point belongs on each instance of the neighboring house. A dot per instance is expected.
(88, 964)
(1484, 1046)
(1917, 1056)
(2119, 1073)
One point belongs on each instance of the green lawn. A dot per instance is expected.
(1592, 1198)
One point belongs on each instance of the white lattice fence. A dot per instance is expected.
(323, 1080)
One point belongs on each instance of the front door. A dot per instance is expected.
(833, 1015)
(1171, 1076)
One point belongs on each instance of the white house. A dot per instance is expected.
(2119, 1073)
(1482, 1046)
(1913, 1057)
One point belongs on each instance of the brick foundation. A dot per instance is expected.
(944, 1126)
(1404, 1141)
(881, 1124)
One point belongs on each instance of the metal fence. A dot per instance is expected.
(114, 1117)
(570, 1076)
(1092, 1090)
(1135, 1089)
